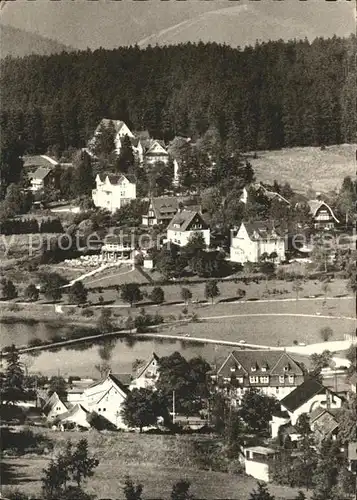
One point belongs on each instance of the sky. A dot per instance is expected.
(110, 23)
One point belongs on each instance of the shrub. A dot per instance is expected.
(87, 313)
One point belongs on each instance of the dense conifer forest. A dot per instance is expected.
(276, 94)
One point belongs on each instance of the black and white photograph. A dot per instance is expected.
(178, 198)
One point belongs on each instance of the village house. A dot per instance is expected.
(258, 460)
(120, 131)
(256, 239)
(259, 188)
(147, 374)
(113, 191)
(106, 398)
(53, 407)
(322, 215)
(77, 415)
(41, 179)
(307, 397)
(184, 225)
(156, 151)
(274, 373)
(324, 422)
(160, 211)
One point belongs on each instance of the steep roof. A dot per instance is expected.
(303, 393)
(40, 173)
(105, 122)
(142, 369)
(118, 382)
(117, 178)
(122, 378)
(39, 161)
(262, 230)
(51, 402)
(259, 359)
(184, 219)
(315, 205)
(72, 411)
(164, 205)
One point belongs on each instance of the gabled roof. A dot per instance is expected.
(184, 219)
(40, 173)
(262, 230)
(164, 205)
(122, 378)
(142, 369)
(259, 359)
(118, 382)
(303, 393)
(315, 205)
(72, 411)
(51, 402)
(105, 122)
(116, 178)
(39, 161)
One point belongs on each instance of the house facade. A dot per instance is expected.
(160, 211)
(254, 239)
(106, 398)
(113, 191)
(120, 131)
(185, 224)
(54, 407)
(147, 375)
(274, 373)
(41, 179)
(258, 461)
(322, 215)
(307, 397)
(77, 415)
(156, 151)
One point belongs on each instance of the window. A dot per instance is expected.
(286, 368)
(104, 409)
(291, 379)
(281, 379)
(99, 409)
(253, 368)
(264, 368)
(277, 390)
(264, 380)
(240, 380)
(253, 380)
(233, 369)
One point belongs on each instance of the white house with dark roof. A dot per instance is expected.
(106, 398)
(54, 406)
(120, 129)
(156, 151)
(322, 215)
(113, 191)
(161, 210)
(307, 397)
(254, 239)
(274, 373)
(147, 374)
(184, 225)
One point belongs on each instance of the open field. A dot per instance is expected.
(307, 168)
(156, 461)
(227, 289)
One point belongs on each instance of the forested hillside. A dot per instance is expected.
(269, 96)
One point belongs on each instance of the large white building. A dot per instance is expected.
(106, 398)
(184, 225)
(254, 239)
(113, 191)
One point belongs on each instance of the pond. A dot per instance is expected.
(81, 359)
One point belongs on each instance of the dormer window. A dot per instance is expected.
(264, 368)
(254, 368)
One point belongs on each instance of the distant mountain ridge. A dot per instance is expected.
(109, 24)
(17, 42)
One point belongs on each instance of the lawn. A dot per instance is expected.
(307, 168)
(156, 461)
